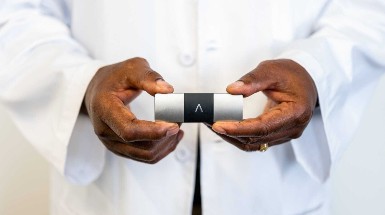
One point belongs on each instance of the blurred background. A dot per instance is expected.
(357, 183)
(24, 174)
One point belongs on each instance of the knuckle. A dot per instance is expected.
(96, 105)
(137, 60)
(106, 144)
(173, 147)
(300, 109)
(253, 140)
(249, 77)
(154, 135)
(149, 156)
(101, 132)
(265, 63)
(303, 115)
(148, 77)
(247, 147)
(96, 109)
(155, 161)
(111, 147)
(157, 156)
(308, 114)
(264, 131)
(127, 135)
(159, 133)
(267, 66)
(297, 134)
(100, 108)
(134, 62)
(151, 75)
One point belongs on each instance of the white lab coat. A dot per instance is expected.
(50, 49)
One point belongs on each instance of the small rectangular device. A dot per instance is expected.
(198, 107)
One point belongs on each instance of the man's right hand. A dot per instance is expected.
(121, 132)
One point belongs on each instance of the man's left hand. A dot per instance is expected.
(292, 97)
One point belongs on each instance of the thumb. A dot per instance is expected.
(142, 77)
(160, 86)
(257, 80)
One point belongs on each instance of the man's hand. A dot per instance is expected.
(121, 132)
(292, 97)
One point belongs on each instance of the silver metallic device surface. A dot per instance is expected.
(169, 107)
(228, 107)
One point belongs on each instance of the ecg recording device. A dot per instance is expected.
(198, 107)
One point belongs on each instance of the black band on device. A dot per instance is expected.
(198, 107)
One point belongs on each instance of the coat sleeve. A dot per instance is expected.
(44, 73)
(345, 56)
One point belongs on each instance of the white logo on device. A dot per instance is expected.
(200, 107)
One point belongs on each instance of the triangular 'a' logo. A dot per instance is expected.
(198, 107)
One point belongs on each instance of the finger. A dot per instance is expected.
(156, 146)
(158, 149)
(225, 137)
(108, 134)
(249, 147)
(168, 146)
(233, 140)
(240, 144)
(286, 134)
(281, 117)
(254, 146)
(124, 123)
(246, 144)
(132, 151)
(127, 96)
(128, 151)
(141, 76)
(257, 80)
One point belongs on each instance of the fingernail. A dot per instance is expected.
(163, 84)
(172, 131)
(219, 129)
(237, 84)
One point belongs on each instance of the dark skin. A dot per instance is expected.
(292, 97)
(291, 93)
(110, 90)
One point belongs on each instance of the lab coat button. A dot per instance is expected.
(186, 59)
(182, 155)
(211, 45)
